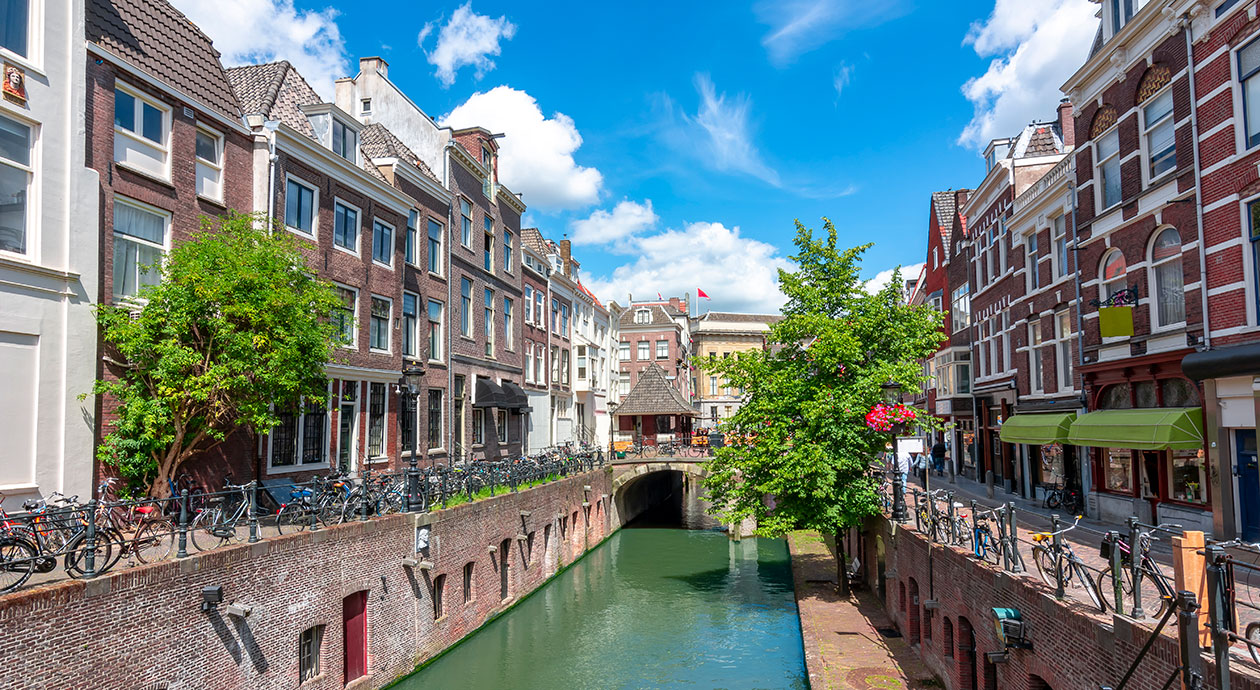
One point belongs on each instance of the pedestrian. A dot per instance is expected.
(938, 458)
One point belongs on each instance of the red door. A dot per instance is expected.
(354, 627)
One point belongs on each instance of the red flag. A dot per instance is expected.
(700, 293)
(658, 296)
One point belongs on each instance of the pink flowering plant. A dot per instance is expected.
(883, 417)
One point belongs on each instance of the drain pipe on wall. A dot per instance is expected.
(1198, 183)
(450, 321)
(1083, 463)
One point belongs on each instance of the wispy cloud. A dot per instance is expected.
(253, 31)
(729, 137)
(1034, 48)
(844, 73)
(800, 26)
(467, 39)
(626, 220)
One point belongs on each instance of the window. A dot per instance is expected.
(299, 207)
(960, 309)
(564, 367)
(713, 385)
(308, 652)
(1034, 356)
(489, 322)
(365, 106)
(209, 164)
(382, 243)
(465, 233)
(376, 420)
(1059, 244)
(581, 362)
(508, 341)
(623, 382)
(435, 331)
(344, 316)
(529, 362)
(435, 247)
(540, 316)
(643, 316)
(1249, 78)
(1034, 272)
(1161, 143)
(409, 245)
(410, 319)
(1170, 294)
(555, 365)
(1113, 274)
(1122, 11)
(16, 175)
(1107, 153)
(343, 141)
(299, 438)
(15, 26)
(507, 251)
(139, 244)
(487, 257)
(479, 427)
(1187, 476)
(623, 351)
(643, 351)
(346, 227)
(378, 327)
(500, 422)
(1224, 7)
(662, 349)
(435, 418)
(1119, 469)
(540, 364)
(439, 591)
(468, 581)
(141, 128)
(564, 320)
(529, 304)
(1063, 347)
(465, 304)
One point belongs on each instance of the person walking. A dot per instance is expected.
(938, 458)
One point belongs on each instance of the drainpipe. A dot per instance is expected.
(1080, 326)
(973, 348)
(450, 279)
(1198, 180)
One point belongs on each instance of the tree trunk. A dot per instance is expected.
(842, 570)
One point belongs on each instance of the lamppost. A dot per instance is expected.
(412, 378)
(892, 393)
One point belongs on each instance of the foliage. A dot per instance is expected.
(802, 450)
(237, 331)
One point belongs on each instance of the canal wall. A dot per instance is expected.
(944, 610)
(143, 628)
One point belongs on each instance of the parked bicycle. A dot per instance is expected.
(1059, 496)
(1060, 567)
(1156, 587)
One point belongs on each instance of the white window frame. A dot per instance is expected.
(1100, 182)
(488, 298)
(441, 325)
(350, 139)
(960, 297)
(527, 297)
(218, 168)
(294, 179)
(508, 249)
(411, 239)
(30, 228)
(1036, 369)
(354, 326)
(165, 246)
(1107, 287)
(509, 342)
(529, 362)
(1242, 106)
(392, 230)
(367, 427)
(623, 351)
(658, 353)
(643, 353)
(1153, 280)
(1033, 255)
(34, 40)
(1148, 173)
(414, 330)
(389, 323)
(164, 146)
(441, 242)
(1059, 248)
(358, 226)
(1064, 367)
(300, 438)
(466, 324)
(465, 225)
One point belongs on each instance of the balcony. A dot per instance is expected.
(1042, 185)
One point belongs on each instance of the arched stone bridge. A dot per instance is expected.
(639, 483)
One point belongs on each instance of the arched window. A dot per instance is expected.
(947, 637)
(1113, 272)
(1169, 291)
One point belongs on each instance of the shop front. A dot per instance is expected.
(1045, 459)
(996, 455)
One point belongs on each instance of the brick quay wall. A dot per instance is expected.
(1073, 647)
(143, 628)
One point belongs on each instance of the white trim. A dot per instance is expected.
(354, 327)
(358, 230)
(221, 152)
(1222, 289)
(314, 234)
(389, 325)
(393, 241)
(163, 147)
(1220, 203)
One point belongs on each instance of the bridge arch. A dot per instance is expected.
(631, 494)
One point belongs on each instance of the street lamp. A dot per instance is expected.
(892, 390)
(412, 378)
(892, 393)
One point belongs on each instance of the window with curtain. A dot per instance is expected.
(1170, 294)
(1107, 153)
(139, 244)
(1161, 144)
(1249, 78)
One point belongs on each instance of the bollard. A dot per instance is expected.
(1057, 552)
(1017, 560)
(918, 519)
(407, 489)
(975, 526)
(1220, 617)
(899, 498)
(1187, 634)
(89, 542)
(363, 506)
(1188, 569)
(1117, 572)
(1135, 565)
(314, 518)
(183, 525)
(253, 511)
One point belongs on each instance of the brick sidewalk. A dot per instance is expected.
(844, 648)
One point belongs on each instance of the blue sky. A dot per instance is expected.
(706, 129)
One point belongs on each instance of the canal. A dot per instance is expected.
(669, 601)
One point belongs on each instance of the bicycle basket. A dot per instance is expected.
(1104, 549)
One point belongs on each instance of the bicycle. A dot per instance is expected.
(1060, 567)
(217, 525)
(1061, 497)
(1157, 588)
(984, 545)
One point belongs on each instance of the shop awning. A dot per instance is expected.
(1037, 429)
(1165, 428)
(514, 397)
(489, 394)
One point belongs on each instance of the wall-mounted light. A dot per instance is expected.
(1011, 631)
(493, 548)
(238, 610)
(211, 597)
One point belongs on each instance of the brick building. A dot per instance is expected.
(654, 332)
(951, 367)
(536, 338)
(720, 335)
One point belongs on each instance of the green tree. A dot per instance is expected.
(802, 449)
(238, 330)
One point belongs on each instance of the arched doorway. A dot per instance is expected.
(1035, 682)
(880, 567)
(912, 612)
(966, 656)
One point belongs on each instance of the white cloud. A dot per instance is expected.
(799, 26)
(467, 39)
(844, 73)
(908, 272)
(424, 33)
(254, 31)
(1035, 47)
(536, 156)
(738, 273)
(729, 144)
(627, 219)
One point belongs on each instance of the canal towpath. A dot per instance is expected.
(844, 646)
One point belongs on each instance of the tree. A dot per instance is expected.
(237, 331)
(802, 448)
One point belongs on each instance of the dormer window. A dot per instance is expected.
(996, 152)
(1122, 11)
(486, 158)
(643, 316)
(344, 141)
(365, 106)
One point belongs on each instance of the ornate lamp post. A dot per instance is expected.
(412, 378)
(892, 393)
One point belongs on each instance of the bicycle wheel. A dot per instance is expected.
(987, 547)
(649, 451)
(1072, 503)
(293, 517)
(209, 531)
(118, 544)
(1091, 587)
(17, 562)
(1253, 636)
(1044, 561)
(1055, 499)
(75, 562)
(154, 541)
(1107, 588)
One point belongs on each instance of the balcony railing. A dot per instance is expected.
(1046, 181)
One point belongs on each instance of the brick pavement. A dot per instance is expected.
(844, 648)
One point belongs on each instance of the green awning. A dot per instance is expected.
(1165, 428)
(1037, 429)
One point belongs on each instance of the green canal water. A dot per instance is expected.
(652, 607)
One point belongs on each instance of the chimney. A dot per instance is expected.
(565, 253)
(675, 303)
(1067, 124)
(368, 65)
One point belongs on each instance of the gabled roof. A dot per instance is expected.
(943, 206)
(740, 318)
(590, 294)
(158, 39)
(378, 142)
(533, 239)
(660, 316)
(652, 394)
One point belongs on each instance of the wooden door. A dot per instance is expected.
(354, 638)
